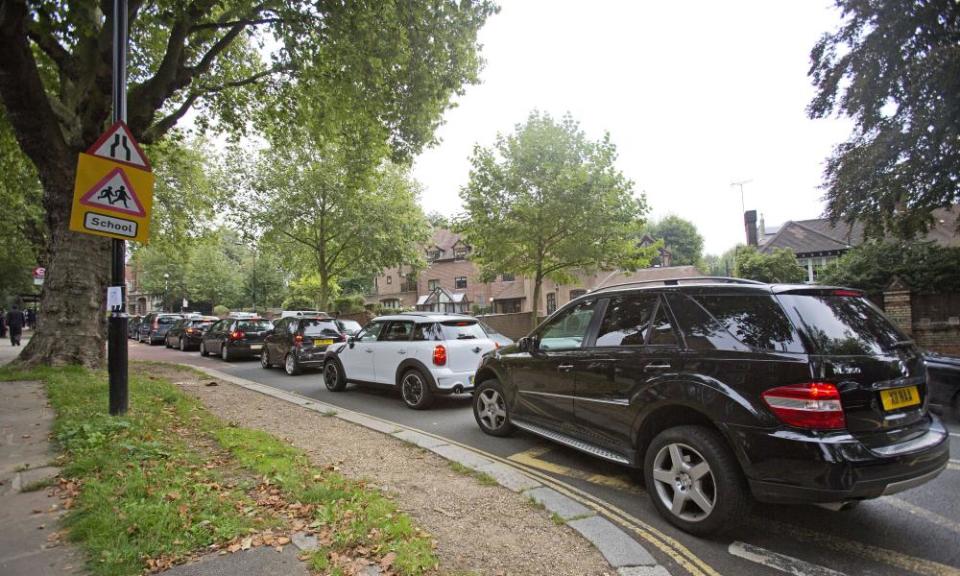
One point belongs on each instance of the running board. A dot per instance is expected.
(580, 445)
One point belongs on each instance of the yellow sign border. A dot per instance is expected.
(90, 170)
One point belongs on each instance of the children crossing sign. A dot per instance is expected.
(113, 190)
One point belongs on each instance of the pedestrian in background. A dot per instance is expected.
(3, 323)
(15, 325)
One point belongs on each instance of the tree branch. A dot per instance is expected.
(160, 127)
(231, 23)
(60, 56)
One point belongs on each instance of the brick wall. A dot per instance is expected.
(932, 321)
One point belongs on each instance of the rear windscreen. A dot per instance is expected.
(253, 325)
(841, 325)
(462, 330)
(320, 327)
(167, 319)
(202, 323)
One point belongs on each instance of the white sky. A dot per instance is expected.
(695, 95)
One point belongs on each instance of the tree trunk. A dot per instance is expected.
(535, 313)
(71, 324)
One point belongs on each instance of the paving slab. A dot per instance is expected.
(508, 477)
(304, 541)
(366, 422)
(643, 571)
(619, 549)
(557, 503)
(421, 440)
(260, 561)
(468, 458)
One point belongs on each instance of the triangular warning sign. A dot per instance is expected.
(118, 144)
(113, 193)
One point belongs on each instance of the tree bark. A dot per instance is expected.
(535, 308)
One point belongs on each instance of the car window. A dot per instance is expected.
(201, 324)
(568, 330)
(253, 325)
(756, 320)
(462, 330)
(662, 333)
(397, 331)
(701, 330)
(423, 332)
(320, 327)
(167, 319)
(370, 332)
(842, 325)
(627, 320)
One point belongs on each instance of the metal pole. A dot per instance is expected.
(117, 335)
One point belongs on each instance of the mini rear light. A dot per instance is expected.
(237, 335)
(439, 355)
(848, 293)
(298, 340)
(813, 406)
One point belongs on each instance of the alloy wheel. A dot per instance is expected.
(264, 358)
(331, 375)
(412, 388)
(684, 482)
(290, 365)
(224, 352)
(492, 410)
(183, 345)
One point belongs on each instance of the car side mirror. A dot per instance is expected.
(527, 344)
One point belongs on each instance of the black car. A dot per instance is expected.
(298, 343)
(153, 327)
(943, 380)
(185, 334)
(235, 337)
(718, 389)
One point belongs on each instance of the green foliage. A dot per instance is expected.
(221, 311)
(546, 201)
(894, 68)
(779, 267)
(22, 229)
(296, 302)
(924, 266)
(349, 304)
(722, 265)
(681, 238)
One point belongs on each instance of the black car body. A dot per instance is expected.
(300, 342)
(235, 338)
(185, 333)
(943, 381)
(153, 327)
(804, 395)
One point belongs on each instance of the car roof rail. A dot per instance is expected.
(678, 281)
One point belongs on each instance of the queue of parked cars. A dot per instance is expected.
(717, 391)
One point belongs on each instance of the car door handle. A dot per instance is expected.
(477, 350)
(652, 367)
(565, 367)
(369, 350)
(401, 351)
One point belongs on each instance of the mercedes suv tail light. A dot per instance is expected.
(439, 355)
(814, 406)
(298, 340)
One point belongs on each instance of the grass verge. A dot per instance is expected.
(169, 480)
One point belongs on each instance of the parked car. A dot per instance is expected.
(133, 327)
(185, 333)
(233, 338)
(943, 381)
(717, 390)
(154, 327)
(497, 337)
(298, 343)
(422, 354)
(349, 327)
(301, 313)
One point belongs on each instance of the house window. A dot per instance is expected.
(390, 303)
(460, 282)
(433, 285)
(507, 277)
(460, 252)
(389, 279)
(508, 306)
(577, 293)
(551, 303)
(410, 283)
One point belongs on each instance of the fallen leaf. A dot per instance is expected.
(246, 543)
(233, 548)
(283, 540)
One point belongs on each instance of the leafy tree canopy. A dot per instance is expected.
(722, 265)
(681, 238)
(894, 68)
(545, 201)
(778, 267)
(924, 266)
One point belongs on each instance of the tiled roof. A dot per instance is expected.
(804, 239)
(513, 290)
(444, 238)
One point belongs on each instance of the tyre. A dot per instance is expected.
(203, 349)
(265, 359)
(694, 480)
(490, 409)
(290, 365)
(225, 353)
(415, 390)
(182, 345)
(333, 377)
(166, 342)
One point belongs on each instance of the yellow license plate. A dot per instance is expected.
(899, 397)
(322, 342)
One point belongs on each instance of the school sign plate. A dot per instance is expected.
(113, 190)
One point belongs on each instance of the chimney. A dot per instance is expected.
(763, 228)
(750, 223)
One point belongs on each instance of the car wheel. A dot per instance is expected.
(166, 342)
(183, 345)
(415, 390)
(490, 409)
(265, 359)
(203, 349)
(290, 365)
(694, 480)
(333, 377)
(225, 353)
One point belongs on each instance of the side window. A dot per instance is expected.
(701, 331)
(216, 326)
(756, 320)
(568, 330)
(370, 332)
(293, 325)
(662, 333)
(423, 332)
(397, 331)
(627, 320)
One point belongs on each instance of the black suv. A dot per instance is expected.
(234, 338)
(718, 388)
(300, 342)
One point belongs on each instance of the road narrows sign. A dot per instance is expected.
(113, 190)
